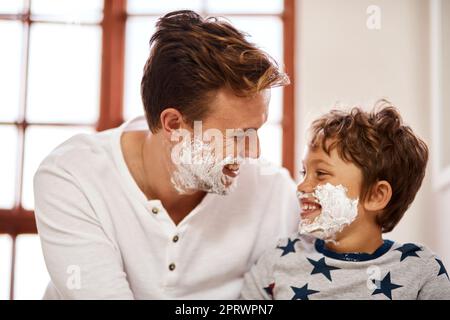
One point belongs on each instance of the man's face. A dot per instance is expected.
(235, 116)
(222, 141)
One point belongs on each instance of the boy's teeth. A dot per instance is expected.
(309, 207)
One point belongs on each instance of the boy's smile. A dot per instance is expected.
(320, 168)
(309, 208)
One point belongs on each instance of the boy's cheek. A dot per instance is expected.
(353, 192)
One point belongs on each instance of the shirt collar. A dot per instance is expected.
(354, 256)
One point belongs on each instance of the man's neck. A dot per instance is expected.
(152, 174)
(157, 165)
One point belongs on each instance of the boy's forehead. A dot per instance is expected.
(319, 142)
(315, 154)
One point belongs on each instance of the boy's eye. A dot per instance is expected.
(321, 173)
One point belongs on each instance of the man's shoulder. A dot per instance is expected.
(82, 148)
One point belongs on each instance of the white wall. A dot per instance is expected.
(340, 60)
(441, 197)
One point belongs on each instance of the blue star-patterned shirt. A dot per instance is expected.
(302, 268)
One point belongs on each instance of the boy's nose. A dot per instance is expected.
(305, 187)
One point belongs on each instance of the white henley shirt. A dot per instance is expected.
(103, 239)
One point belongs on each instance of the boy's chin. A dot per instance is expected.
(309, 217)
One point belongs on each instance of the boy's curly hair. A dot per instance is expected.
(382, 147)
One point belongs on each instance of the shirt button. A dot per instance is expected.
(175, 239)
(155, 210)
(172, 266)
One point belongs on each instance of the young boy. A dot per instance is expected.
(361, 173)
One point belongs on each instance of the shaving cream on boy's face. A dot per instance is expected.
(337, 211)
(199, 168)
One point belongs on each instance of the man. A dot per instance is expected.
(136, 212)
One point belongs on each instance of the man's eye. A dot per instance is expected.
(302, 173)
(321, 173)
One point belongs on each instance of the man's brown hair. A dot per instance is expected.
(191, 58)
(382, 147)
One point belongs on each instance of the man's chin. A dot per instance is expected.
(230, 173)
(226, 186)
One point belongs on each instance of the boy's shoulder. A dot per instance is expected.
(293, 245)
(413, 249)
(418, 254)
(287, 251)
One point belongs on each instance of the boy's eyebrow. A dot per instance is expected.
(318, 161)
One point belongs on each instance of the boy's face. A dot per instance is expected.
(320, 168)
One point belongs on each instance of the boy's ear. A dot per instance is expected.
(379, 196)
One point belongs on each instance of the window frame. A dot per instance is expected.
(17, 221)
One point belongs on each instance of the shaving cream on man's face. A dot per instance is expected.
(337, 212)
(199, 169)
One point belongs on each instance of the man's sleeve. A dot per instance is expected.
(82, 261)
(437, 284)
(259, 282)
(289, 206)
(282, 214)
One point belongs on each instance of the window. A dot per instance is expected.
(43, 73)
(73, 66)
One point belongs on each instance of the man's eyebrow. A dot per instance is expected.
(244, 129)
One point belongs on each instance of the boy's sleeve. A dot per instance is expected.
(259, 282)
(437, 283)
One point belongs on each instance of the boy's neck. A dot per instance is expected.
(364, 240)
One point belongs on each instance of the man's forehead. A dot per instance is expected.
(225, 98)
(240, 112)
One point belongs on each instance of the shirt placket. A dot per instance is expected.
(175, 239)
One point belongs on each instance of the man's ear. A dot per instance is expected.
(379, 196)
(171, 120)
